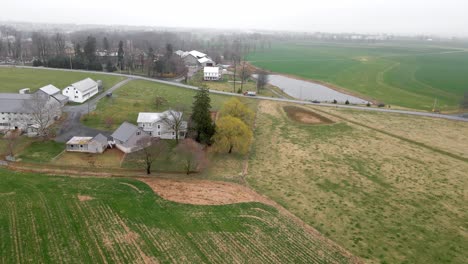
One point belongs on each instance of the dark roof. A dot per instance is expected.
(101, 139)
(124, 132)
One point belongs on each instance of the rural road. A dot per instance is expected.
(73, 127)
(405, 112)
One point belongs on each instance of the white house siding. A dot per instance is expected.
(77, 96)
(9, 121)
(161, 130)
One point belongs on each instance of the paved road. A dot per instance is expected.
(405, 112)
(73, 127)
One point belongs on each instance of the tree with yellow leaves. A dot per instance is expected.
(234, 107)
(232, 135)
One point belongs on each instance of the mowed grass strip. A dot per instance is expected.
(51, 219)
(405, 75)
(385, 199)
(14, 79)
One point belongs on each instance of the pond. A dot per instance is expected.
(311, 91)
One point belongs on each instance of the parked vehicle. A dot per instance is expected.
(250, 93)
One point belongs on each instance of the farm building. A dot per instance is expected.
(81, 91)
(26, 111)
(95, 144)
(54, 92)
(212, 74)
(195, 58)
(126, 137)
(154, 124)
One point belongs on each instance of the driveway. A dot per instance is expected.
(73, 127)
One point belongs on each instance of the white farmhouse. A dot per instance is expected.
(154, 124)
(212, 74)
(81, 91)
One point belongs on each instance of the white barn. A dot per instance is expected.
(153, 124)
(20, 111)
(81, 91)
(212, 74)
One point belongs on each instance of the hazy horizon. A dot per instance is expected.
(435, 17)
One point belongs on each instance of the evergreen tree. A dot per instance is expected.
(90, 50)
(106, 46)
(203, 125)
(120, 55)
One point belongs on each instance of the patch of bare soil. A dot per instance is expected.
(203, 192)
(84, 198)
(305, 116)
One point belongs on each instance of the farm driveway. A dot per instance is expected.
(72, 125)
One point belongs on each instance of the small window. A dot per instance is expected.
(138, 133)
(159, 126)
(159, 133)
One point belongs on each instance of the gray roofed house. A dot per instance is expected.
(126, 137)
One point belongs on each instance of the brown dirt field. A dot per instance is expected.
(305, 116)
(203, 192)
(84, 198)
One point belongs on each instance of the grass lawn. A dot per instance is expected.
(52, 219)
(138, 96)
(405, 75)
(111, 158)
(41, 151)
(385, 199)
(13, 79)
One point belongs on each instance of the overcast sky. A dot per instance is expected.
(443, 17)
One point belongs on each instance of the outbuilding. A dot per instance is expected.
(95, 144)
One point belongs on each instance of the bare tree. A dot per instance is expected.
(464, 102)
(12, 138)
(262, 80)
(43, 110)
(152, 148)
(59, 44)
(173, 120)
(41, 45)
(159, 101)
(245, 74)
(192, 154)
(17, 48)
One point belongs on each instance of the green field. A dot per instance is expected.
(14, 79)
(409, 76)
(47, 219)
